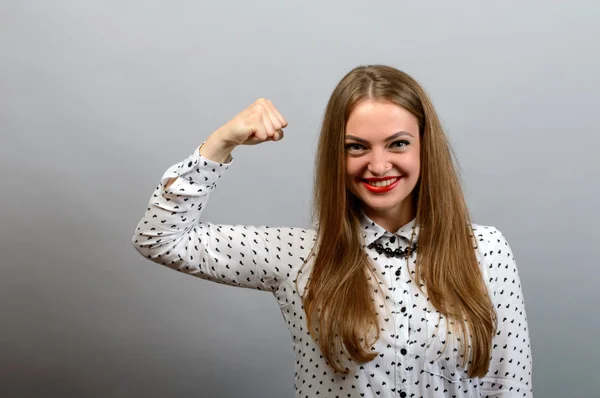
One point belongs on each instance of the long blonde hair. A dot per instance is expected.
(338, 300)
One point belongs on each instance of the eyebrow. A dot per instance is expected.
(390, 138)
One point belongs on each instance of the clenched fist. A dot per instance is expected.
(258, 123)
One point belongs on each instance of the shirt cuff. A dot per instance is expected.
(197, 169)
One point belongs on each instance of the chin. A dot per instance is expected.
(383, 203)
(379, 206)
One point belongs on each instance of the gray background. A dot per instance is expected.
(97, 99)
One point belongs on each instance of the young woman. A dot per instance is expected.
(395, 292)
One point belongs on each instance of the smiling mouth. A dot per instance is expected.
(380, 182)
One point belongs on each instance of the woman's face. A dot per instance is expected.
(383, 159)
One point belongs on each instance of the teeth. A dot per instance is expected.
(382, 183)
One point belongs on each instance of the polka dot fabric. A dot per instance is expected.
(417, 355)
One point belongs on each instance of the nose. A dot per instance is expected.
(378, 164)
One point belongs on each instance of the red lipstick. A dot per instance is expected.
(385, 189)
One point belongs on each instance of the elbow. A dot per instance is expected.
(136, 242)
(156, 249)
(147, 246)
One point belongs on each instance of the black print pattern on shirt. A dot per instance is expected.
(410, 363)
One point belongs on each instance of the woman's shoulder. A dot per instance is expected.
(487, 234)
(490, 240)
(495, 254)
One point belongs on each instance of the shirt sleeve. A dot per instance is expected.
(511, 362)
(172, 233)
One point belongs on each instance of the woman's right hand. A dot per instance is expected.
(258, 123)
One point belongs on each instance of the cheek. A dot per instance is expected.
(413, 165)
(416, 167)
(353, 167)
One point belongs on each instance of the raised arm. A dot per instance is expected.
(172, 232)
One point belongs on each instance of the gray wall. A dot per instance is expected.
(97, 99)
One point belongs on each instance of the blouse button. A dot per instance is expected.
(402, 394)
(397, 272)
(403, 351)
(393, 239)
(403, 309)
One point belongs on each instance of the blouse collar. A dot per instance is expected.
(372, 231)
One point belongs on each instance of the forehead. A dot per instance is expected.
(378, 120)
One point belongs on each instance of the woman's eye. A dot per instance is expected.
(400, 144)
(354, 147)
